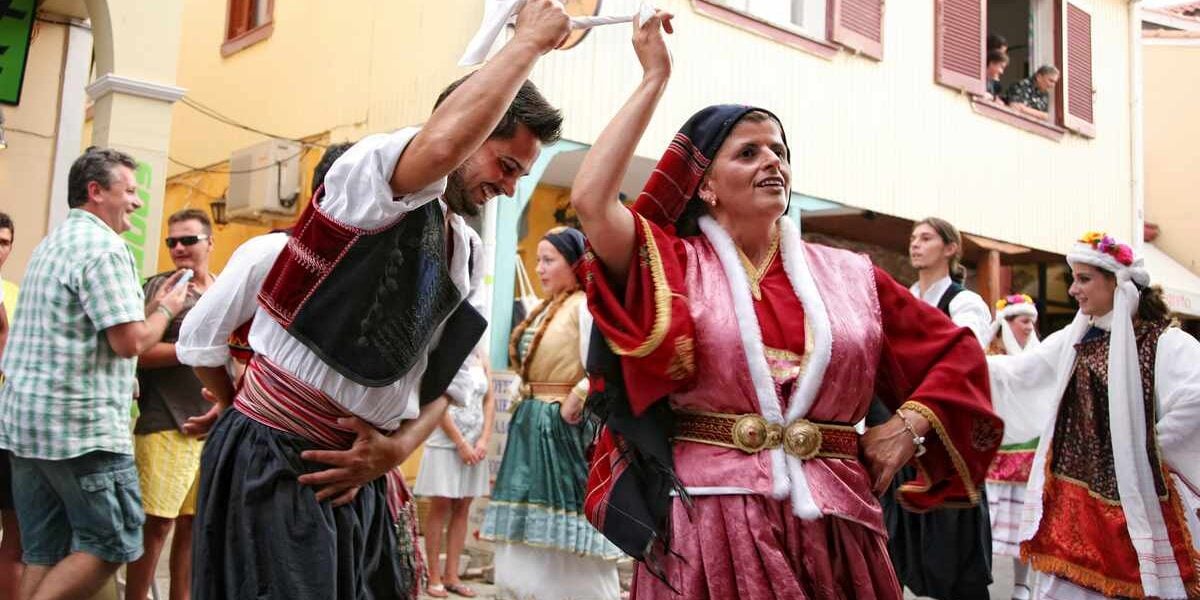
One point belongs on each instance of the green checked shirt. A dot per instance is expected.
(68, 393)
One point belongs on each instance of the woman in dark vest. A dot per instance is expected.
(945, 553)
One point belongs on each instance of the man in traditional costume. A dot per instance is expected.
(360, 327)
(735, 360)
(1111, 505)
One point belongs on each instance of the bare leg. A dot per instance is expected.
(140, 573)
(79, 575)
(31, 578)
(456, 537)
(1020, 579)
(11, 564)
(435, 522)
(181, 559)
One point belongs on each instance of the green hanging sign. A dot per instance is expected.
(16, 28)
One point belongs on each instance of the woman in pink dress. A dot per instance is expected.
(737, 358)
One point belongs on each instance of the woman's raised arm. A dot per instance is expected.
(608, 224)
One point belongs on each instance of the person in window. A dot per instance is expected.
(1032, 94)
(997, 42)
(997, 62)
(1110, 509)
(758, 352)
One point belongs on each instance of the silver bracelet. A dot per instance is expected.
(918, 440)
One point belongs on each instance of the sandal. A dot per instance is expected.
(1021, 592)
(436, 590)
(459, 589)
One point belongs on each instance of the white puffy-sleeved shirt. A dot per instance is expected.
(358, 193)
(967, 309)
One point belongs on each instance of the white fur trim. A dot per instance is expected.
(795, 264)
(787, 471)
(756, 360)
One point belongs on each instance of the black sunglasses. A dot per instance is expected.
(186, 240)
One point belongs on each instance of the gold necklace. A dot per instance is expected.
(756, 274)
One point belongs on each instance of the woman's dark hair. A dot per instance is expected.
(996, 56)
(332, 153)
(950, 235)
(1151, 304)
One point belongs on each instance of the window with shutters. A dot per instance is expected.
(247, 22)
(1038, 34)
(819, 26)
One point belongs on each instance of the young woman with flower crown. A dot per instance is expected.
(1111, 506)
(1016, 324)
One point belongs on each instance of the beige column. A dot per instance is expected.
(137, 52)
(134, 117)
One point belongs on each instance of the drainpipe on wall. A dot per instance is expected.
(1137, 126)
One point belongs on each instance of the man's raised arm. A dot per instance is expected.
(461, 124)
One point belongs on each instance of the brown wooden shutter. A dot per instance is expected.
(1077, 85)
(241, 18)
(858, 25)
(959, 43)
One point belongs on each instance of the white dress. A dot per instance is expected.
(443, 474)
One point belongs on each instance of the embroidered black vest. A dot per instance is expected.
(367, 302)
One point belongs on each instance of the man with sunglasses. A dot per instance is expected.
(168, 460)
(360, 322)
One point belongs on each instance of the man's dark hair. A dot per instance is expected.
(996, 56)
(529, 108)
(331, 155)
(6, 223)
(996, 42)
(191, 214)
(95, 164)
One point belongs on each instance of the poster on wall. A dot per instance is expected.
(16, 31)
(504, 389)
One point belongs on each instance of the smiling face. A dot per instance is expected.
(193, 257)
(116, 203)
(493, 170)
(553, 271)
(926, 249)
(750, 174)
(1093, 289)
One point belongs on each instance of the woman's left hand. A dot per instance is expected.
(888, 447)
(571, 409)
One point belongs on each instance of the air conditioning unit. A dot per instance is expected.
(264, 181)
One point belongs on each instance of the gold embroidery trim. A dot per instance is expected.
(662, 300)
(960, 466)
(755, 274)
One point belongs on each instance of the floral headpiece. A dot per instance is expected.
(1011, 299)
(1105, 244)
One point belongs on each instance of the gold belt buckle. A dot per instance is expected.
(752, 433)
(802, 439)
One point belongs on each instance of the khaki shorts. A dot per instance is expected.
(168, 465)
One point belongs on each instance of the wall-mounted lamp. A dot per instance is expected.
(217, 209)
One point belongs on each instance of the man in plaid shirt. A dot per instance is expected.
(64, 411)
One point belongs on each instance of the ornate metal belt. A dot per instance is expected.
(552, 392)
(751, 433)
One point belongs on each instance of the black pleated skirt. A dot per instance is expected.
(260, 534)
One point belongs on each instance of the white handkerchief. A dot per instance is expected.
(497, 13)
